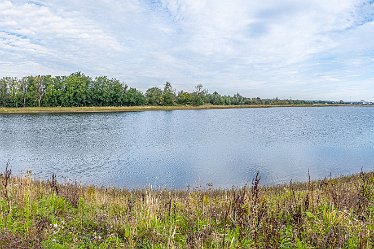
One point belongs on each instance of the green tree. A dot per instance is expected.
(14, 93)
(199, 95)
(154, 96)
(215, 98)
(54, 90)
(184, 98)
(107, 92)
(4, 94)
(237, 99)
(116, 93)
(34, 88)
(133, 97)
(24, 91)
(168, 95)
(76, 91)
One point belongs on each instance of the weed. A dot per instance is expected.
(330, 213)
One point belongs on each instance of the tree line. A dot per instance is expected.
(78, 89)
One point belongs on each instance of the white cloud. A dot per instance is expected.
(43, 35)
(260, 48)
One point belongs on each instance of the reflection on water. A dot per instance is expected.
(176, 149)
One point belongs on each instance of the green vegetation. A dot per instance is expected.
(79, 90)
(330, 213)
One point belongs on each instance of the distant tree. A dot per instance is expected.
(76, 90)
(168, 95)
(53, 92)
(29, 90)
(14, 93)
(23, 89)
(41, 83)
(4, 96)
(133, 97)
(154, 96)
(198, 97)
(107, 92)
(237, 99)
(116, 92)
(184, 98)
(215, 98)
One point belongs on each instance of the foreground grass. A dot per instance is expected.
(331, 213)
(93, 109)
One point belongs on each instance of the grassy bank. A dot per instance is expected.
(98, 109)
(331, 213)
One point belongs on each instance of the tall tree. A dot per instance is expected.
(199, 95)
(41, 84)
(54, 90)
(14, 93)
(4, 94)
(168, 95)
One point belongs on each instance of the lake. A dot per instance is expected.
(176, 149)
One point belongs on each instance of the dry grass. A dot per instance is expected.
(330, 213)
(99, 109)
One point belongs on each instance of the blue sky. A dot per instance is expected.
(313, 49)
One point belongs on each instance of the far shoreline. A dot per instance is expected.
(113, 109)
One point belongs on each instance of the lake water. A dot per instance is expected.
(176, 149)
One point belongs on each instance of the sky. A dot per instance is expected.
(311, 49)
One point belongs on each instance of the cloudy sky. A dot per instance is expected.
(312, 49)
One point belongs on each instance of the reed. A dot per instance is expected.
(328, 213)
